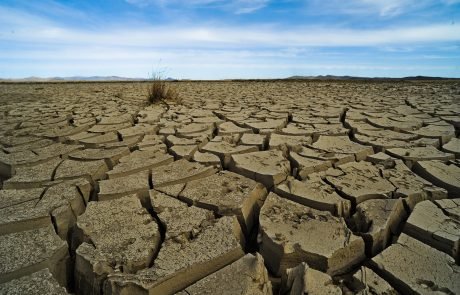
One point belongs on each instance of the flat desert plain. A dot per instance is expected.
(244, 187)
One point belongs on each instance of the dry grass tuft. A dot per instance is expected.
(160, 92)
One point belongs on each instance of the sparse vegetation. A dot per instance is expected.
(160, 91)
(119, 94)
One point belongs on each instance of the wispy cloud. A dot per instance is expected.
(248, 6)
(236, 6)
(386, 8)
(144, 3)
(382, 8)
(164, 37)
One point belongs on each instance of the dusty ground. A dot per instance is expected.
(247, 188)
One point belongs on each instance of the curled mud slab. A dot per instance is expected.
(251, 187)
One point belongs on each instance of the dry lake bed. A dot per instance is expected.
(245, 187)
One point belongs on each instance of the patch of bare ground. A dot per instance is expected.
(230, 187)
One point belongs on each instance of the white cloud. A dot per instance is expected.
(236, 6)
(383, 8)
(388, 7)
(172, 37)
(248, 6)
(173, 2)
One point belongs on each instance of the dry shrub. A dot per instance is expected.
(160, 92)
(119, 94)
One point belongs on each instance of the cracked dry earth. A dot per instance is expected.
(280, 187)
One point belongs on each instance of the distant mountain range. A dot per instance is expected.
(332, 77)
(117, 78)
(78, 78)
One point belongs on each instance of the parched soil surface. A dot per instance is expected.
(246, 187)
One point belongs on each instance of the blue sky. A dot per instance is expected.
(217, 39)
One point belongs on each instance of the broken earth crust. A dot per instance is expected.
(280, 187)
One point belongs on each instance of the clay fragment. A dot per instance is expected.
(291, 233)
